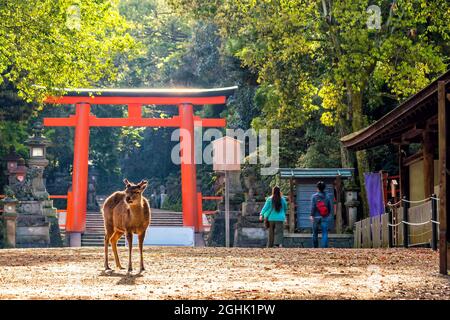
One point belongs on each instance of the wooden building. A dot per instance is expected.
(419, 128)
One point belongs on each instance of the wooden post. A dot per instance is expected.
(405, 226)
(338, 204)
(384, 180)
(434, 228)
(291, 207)
(390, 229)
(227, 209)
(428, 163)
(443, 122)
(403, 171)
(200, 211)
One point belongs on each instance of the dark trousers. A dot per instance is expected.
(275, 234)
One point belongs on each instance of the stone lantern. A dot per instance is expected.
(351, 202)
(10, 216)
(92, 194)
(15, 167)
(37, 144)
(11, 160)
(93, 172)
(18, 174)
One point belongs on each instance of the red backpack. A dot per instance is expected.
(322, 207)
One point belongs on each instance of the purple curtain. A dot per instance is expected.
(374, 190)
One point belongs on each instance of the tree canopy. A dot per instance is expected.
(52, 44)
(317, 70)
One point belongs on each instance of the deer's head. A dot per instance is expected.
(133, 192)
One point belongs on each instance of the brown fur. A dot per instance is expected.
(126, 212)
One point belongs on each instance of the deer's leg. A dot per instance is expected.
(130, 247)
(114, 238)
(107, 236)
(141, 245)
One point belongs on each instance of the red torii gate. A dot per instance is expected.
(135, 99)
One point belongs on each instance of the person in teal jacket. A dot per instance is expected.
(274, 211)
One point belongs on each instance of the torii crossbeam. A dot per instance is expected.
(185, 99)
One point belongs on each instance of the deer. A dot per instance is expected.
(126, 212)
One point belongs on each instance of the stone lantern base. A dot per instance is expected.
(35, 225)
(249, 231)
(9, 240)
(32, 231)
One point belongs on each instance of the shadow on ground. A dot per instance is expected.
(125, 278)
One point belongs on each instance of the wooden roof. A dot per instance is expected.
(143, 96)
(149, 92)
(419, 107)
(286, 173)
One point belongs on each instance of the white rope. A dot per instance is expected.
(412, 223)
(393, 204)
(416, 223)
(416, 201)
(411, 201)
(395, 225)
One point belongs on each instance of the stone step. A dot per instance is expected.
(91, 222)
(152, 219)
(99, 244)
(94, 235)
(91, 229)
(167, 216)
(95, 232)
(97, 240)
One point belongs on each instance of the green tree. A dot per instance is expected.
(52, 44)
(324, 55)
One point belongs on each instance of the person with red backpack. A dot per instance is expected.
(321, 210)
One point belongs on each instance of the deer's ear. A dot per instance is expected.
(127, 183)
(143, 184)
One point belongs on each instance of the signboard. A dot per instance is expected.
(227, 157)
(227, 154)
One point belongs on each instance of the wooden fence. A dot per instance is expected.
(374, 232)
(420, 234)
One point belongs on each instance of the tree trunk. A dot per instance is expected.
(347, 157)
(358, 122)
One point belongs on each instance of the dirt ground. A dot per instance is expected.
(220, 273)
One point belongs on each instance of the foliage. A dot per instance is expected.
(323, 148)
(312, 69)
(303, 48)
(58, 44)
(323, 55)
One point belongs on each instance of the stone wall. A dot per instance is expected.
(217, 231)
(304, 240)
(249, 231)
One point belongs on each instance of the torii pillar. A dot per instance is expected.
(80, 169)
(188, 170)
